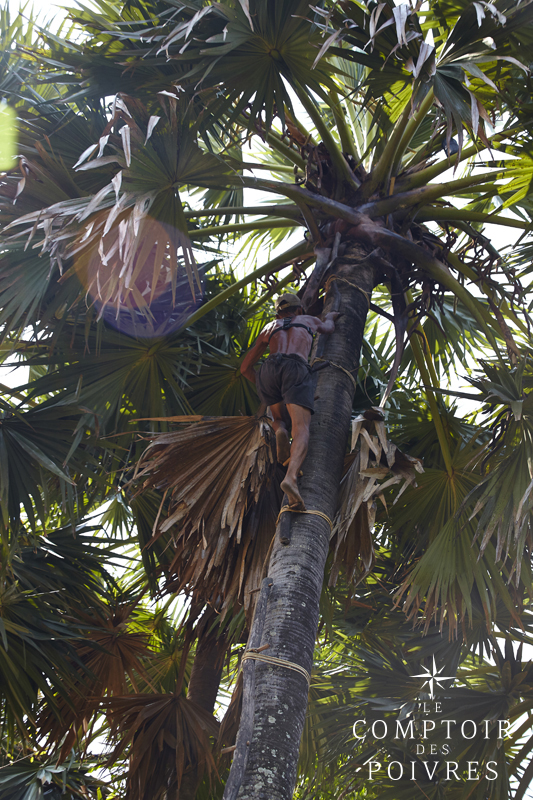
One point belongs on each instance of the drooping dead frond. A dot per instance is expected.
(218, 476)
(110, 655)
(362, 484)
(168, 736)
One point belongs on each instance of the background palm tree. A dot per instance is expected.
(130, 285)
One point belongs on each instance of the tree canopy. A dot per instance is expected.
(178, 165)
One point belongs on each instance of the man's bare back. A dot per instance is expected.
(285, 383)
(295, 340)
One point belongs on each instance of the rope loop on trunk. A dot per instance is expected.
(300, 511)
(279, 662)
(350, 283)
(337, 366)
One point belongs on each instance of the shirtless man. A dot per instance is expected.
(285, 381)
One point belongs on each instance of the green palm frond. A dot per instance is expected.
(18, 74)
(502, 501)
(390, 41)
(253, 49)
(441, 584)
(48, 581)
(448, 575)
(29, 286)
(220, 389)
(118, 374)
(38, 778)
(36, 445)
(123, 242)
(70, 566)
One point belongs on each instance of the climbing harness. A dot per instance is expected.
(300, 511)
(288, 324)
(251, 655)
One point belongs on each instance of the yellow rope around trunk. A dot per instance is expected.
(279, 662)
(338, 366)
(299, 511)
(350, 283)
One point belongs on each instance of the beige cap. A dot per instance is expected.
(287, 301)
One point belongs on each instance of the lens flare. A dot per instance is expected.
(137, 280)
(8, 136)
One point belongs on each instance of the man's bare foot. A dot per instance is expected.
(293, 494)
(283, 446)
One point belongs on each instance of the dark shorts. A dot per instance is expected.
(286, 378)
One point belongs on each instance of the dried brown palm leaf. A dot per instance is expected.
(220, 479)
(363, 483)
(109, 656)
(167, 736)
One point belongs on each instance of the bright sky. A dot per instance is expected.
(45, 8)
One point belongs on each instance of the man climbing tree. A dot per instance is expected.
(285, 382)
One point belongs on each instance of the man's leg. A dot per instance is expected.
(301, 419)
(280, 424)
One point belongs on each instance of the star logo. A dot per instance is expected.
(433, 677)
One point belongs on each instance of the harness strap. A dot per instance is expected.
(287, 324)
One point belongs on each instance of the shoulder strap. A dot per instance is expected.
(301, 325)
(287, 324)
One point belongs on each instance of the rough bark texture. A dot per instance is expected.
(297, 570)
(207, 670)
(203, 688)
(246, 726)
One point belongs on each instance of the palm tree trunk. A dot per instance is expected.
(203, 688)
(297, 570)
(207, 669)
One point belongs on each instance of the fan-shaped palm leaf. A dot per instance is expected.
(254, 48)
(39, 778)
(223, 499)
(503, 499)
(165, 735)
(34, 443)
(119, 373)
(110, 656)
(122, 242)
